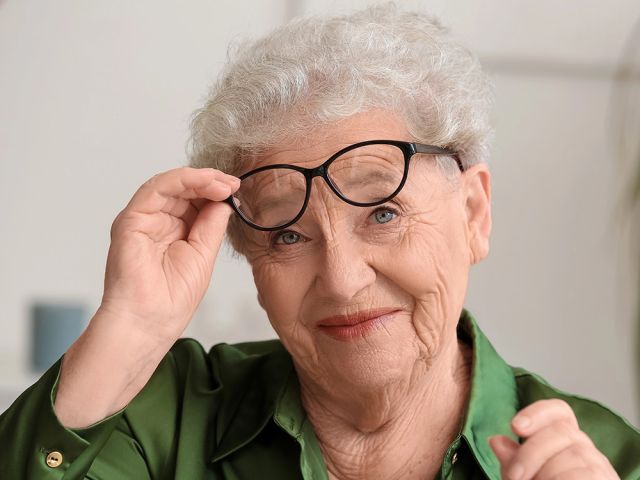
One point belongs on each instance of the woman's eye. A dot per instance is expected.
(384, 215)
(286, 238)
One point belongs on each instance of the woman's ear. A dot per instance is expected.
(477, 198)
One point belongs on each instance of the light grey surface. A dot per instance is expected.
(96, 99)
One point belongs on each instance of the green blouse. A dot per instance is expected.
(235, 413)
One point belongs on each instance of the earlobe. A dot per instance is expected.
(478, 210)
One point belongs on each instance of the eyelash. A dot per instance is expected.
(278, 234)
(385, 208)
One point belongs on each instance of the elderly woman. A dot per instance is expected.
(354, 150)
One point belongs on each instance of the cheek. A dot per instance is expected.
(432, 246)
(281, 289)
(431, 264)
(428, 251)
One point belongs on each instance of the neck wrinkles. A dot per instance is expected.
(402, 431)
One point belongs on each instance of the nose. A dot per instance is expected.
(343, 271)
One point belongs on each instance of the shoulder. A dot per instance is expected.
(590, 413)
(188, 373)
(198, 389)
(187, 350)
(225, 365)
(227, 362)
(612, 433)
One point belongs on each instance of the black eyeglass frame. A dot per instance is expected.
(409, 149)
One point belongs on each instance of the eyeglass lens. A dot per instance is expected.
(365, 175)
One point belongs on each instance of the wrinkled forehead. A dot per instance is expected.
(315, 145)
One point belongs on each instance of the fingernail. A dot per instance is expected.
(521, 422)
(516, 472)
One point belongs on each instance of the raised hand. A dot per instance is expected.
(163, 248)
(554, 447)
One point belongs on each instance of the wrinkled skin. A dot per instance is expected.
(345, 260)
(386, 403)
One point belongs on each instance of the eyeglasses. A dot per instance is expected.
(364, 174)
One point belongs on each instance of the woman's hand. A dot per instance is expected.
(163, 248)
(554, 447)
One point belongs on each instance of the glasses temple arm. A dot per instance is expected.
(433, 150)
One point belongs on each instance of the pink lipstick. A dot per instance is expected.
(348, 327)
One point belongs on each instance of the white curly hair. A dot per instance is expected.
(320, 69)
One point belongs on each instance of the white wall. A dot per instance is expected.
(96, 98)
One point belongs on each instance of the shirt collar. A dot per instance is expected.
(291, 417)
(493, 400)
(273, 392)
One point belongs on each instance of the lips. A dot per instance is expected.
(346, 327)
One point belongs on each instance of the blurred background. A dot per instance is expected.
(96, 97)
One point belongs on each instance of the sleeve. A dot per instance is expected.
(35, 445)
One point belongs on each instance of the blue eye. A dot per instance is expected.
(286, 237)
(384, 215)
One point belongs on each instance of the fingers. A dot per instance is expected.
(208, 230)
(573, 460)
(170, 191)
(178, 207)
(578, 474)
(537, 450)
(167, 205)
(540, 414)
(504, 448)
(553, 445)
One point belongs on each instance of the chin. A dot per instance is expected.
(375, 360)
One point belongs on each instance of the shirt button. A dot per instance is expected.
(54, 459)
(454, 458)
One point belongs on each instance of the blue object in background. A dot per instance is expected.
(54, 328)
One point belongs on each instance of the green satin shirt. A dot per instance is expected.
(235, 414)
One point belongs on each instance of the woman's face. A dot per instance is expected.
(361, 295)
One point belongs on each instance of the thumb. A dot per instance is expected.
(504, 449)
(208, 229)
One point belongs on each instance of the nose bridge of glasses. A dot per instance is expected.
(323, 171)
(319, 171)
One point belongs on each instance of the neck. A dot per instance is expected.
(401, 431)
